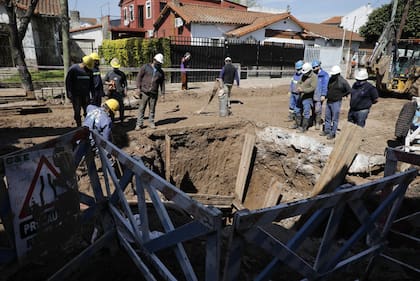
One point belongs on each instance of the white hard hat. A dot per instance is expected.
(158, 58)
(228, 59)
(335, 70)
(361, 74)
(306, 67)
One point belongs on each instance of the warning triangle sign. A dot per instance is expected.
(42, 179)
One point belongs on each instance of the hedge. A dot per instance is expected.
(134, 52)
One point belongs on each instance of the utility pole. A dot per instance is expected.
(348, 70)
(65, 37)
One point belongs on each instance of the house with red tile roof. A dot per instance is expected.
(41, 42)
(139, 16)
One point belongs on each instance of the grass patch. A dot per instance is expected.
(39, 76)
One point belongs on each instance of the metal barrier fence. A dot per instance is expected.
(250, 227)
(40, 210)
(393, 156)
(109, 206)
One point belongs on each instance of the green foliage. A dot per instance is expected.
(133, 52)
(39, 76)
(378, 19)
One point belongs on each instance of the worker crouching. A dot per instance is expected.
(99, 119)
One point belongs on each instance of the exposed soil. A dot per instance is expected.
(206, 148)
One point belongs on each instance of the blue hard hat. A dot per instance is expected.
(299, 64)
(316, 63)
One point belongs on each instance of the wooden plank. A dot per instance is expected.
(244, 165)
(218, 201)
(168, 158)
(345, 149)
(273, 195)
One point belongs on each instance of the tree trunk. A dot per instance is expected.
(16, 36)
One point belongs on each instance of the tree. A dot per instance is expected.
(17, 30)
(379, 17)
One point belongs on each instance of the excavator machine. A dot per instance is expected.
(396, 62)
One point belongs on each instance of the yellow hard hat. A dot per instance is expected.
(95, 56)
(88, 61)
(115, 63)
(112, 104)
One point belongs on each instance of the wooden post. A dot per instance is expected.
(168, 158)
(273, 195)
(244, 165)
(345, 149)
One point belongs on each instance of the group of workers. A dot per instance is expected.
(85, 90)
(311, 86)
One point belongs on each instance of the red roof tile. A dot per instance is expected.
(333, 20)
(44, 7)
(330, 32)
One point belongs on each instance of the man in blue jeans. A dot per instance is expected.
(293, 94)
(338, 88)
(363, 95)
(306, 88)
(320, 92)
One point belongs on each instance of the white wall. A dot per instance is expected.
(286, 25)
(359, 17)
(210, 31)
(92, 34)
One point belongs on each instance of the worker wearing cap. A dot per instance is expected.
(306, 88)
(229, 74)
(99, 118)
(363, 96)
(149, 79)
(293, 94)
(79, 87)
(98, 92)
(338, 88)
(116, 81)
(320, 92)
(185, 60)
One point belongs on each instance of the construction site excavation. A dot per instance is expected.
(210, 197)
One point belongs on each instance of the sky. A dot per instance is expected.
(303, 10)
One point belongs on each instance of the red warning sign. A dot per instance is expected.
(44, 180)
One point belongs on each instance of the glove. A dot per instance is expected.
(322, 98)
(289, 94)
(111, 85)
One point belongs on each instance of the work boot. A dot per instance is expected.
(305, 124)
(330, 136)
(298, 120)
(139, 127)
(318, 122)
(291, 116)
(324, 133)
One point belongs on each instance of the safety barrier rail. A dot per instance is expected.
(40, 201)
(252, 227)
(135, 228)
(393, 156)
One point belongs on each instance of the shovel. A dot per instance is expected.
(218, 84)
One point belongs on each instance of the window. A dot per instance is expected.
(125, 14)
(140, 14)
(131, 12)
(148, 9)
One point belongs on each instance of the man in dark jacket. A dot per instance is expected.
(117, 85)
(79, 87)
(149, 79)
(306, 88)
(363, 95)
(228, 74)
(98, 92)
(338, 88)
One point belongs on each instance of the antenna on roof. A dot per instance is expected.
(288, 9)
